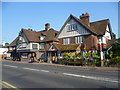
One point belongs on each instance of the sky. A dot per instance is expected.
(17, 15)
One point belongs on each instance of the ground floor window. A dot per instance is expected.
(66, 41)
(34, 46)
(79, 39)
(42, 55)
(24, 55)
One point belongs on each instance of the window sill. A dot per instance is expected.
(71, 30)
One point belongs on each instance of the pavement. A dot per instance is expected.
(83, 67)
(37, 75)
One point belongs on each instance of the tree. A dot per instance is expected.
(6, 44)
(115, 50)
(114, 54)
(114, 35)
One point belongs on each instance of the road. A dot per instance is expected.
(25, 75)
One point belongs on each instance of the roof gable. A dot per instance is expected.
(79, 30)
(30, 35)
(81, 23)
(97, 27)
(52, 48)
(13, 42)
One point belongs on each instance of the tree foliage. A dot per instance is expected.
(115, 51)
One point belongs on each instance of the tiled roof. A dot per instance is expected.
(14, 42)
(51, 35)
(34, 36)
(31, 35)
(61, 47)
(97, 27)
(84, 24)
(110, 42)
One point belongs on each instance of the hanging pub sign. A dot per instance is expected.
(52, 48)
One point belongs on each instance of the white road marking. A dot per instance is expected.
(91, 77)
(11, 66)
(36, 69)
(31, 69)
(44, 71)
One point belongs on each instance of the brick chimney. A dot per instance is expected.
(85, 18)
(47, 26)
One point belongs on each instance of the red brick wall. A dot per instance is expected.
(61, 40)
(47, 46)
(72, 40)
(91, 42)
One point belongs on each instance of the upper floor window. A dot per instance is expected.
(34, 46)
(24, 55)
(72, 27)
(41, 46)
(23, 45)
(42, 37)
(20, 38)
(79, 39)
(103, 40)
(66, 41)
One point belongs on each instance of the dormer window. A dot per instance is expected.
(42, 37)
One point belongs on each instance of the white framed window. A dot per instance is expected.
(66, 41)
(99, 40)
(79, 39)
(103, 40)
(72, 27)
(42, 46)
(34, 46)
(20, 37)
(23, 45)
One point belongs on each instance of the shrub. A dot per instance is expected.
(67, 56)
(116, 60)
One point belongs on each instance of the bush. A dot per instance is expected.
(92, 59)
(67, 56)
(116, 60)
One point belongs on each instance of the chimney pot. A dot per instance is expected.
(47, 26)
(85, 18)
(82, 14)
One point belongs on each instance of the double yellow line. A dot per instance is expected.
(9, 85)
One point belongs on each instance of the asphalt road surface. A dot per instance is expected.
(25, 75)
